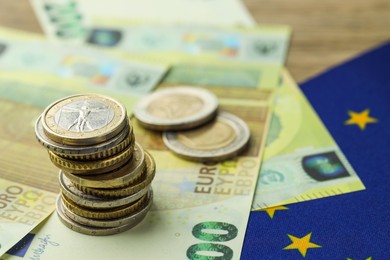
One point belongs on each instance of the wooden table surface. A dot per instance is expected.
(325, 32)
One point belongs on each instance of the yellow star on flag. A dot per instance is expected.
(301, 244)
(361, 119)
(271, 211)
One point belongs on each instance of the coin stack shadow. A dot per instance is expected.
(105, 186)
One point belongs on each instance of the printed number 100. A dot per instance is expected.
(212, 232)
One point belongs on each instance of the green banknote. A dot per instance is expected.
(301, 160)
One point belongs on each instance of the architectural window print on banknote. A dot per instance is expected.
(301, 160)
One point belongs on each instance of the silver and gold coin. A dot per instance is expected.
(70, 191)
(218, 140)
(84, 119)
(126, 220)
(108, 227)
(126, 175)
(93, 167)
(110, 213)
(127, 190)
(89, 152)
(176, 108)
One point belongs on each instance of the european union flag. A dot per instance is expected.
(353, 100)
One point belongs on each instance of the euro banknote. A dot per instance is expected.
(197, 11)
(31, 54)
(301, 160)
(22, 208)
(199, 209)
(267, 44)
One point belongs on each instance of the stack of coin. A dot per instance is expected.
(105, 175)
(195, 129)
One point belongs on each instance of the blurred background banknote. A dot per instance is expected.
(194, 12)
(301, 160)
(177, 41)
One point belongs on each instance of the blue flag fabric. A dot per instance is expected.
(353, 100)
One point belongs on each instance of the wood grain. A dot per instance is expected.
(325, 33)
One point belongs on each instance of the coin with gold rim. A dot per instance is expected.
(123, 176)
(83, 119)
(127, 190)
(111, 213)
(92, 167)
(218, 140)
(89, 201)
(82, 152)
(117, 222)
(101, 231)
(176, 108)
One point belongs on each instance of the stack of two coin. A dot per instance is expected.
(105, 175)
(194, 126)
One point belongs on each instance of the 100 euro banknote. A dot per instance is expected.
(301, 160)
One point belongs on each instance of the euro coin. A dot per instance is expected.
(83, 119)
(110, 213)
(70, 191)
(132, 220)
(218, 140)
(91, 152)
(92, 167)
(127, 190)
(126, 175)
(176, 108)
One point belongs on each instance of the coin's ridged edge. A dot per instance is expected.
(92, 167)
(97, 202)
(130, 177)
(112, 213)
(128, 190)
(98, 231)
(129, 219)
(81, 152)
(130, 139)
